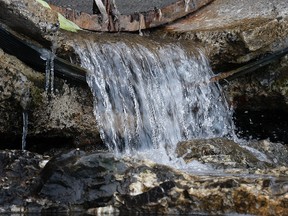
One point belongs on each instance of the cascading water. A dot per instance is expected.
(151, 96)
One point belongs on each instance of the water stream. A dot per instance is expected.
(24, 128)
(49, 57)
(150, 95)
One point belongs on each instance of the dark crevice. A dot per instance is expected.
(262, 124)
(262, 118)
(39, 145)
(42, 145)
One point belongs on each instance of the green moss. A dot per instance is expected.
(37, 96)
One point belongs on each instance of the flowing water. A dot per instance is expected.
(24, 128)
(49, 57)
(151, 95)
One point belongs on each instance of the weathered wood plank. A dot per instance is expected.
(144, 16)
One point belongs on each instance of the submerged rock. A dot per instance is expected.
(219, 152)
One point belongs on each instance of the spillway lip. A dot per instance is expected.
(126, 15)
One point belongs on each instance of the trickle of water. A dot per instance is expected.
(49, 70)
(49, 57)
(152, 96)
(186, 5)
(141, 24)
(24, 129)
(47, 75)
(24, 103)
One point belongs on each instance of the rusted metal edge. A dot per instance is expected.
(132, 22)
(34, 56)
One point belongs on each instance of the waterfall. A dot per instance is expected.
(152, 95)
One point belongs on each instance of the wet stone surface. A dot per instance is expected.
(99, 182)
(234, 32)
(19, 176)
(30, 19)
(220, 153)
(63, 116)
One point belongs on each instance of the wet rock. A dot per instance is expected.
(66, 115)
(14, 97)
(99, 179)
(218, 152)
(275, 152)
(19, 172)
(235, 32)
(260, 103)
(98, 182)
(75, 178)
(30, 18)
(145, 187)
